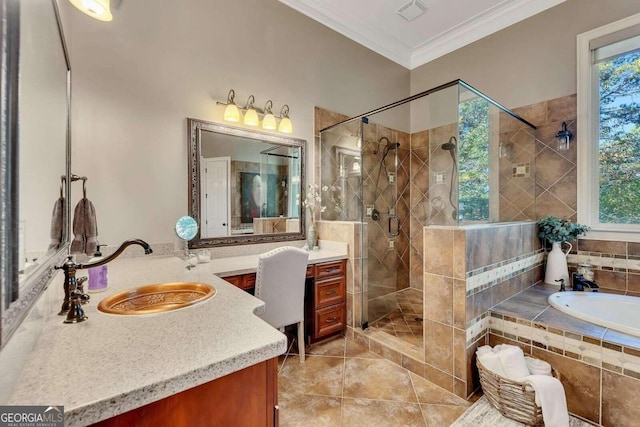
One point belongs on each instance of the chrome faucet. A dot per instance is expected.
(74, 295)
(581, 284)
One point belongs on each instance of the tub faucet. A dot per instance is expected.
(581, 284)
(74, 295)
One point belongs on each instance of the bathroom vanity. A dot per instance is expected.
(201, 361)
(325, 297)
(211, 363)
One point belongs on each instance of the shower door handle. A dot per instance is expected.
(394, 226)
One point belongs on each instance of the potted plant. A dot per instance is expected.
(558, 231)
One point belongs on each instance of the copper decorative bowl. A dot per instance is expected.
(156, 298)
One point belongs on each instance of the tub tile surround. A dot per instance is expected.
(599, 367)
(616, 264)
(466, 283)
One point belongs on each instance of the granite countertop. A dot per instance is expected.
(111, 364)
(232, 266)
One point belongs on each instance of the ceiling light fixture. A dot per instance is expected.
(252, 114)
(97, 9)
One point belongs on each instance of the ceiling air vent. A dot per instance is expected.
(412, 10)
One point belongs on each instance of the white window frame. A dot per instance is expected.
(588, 134)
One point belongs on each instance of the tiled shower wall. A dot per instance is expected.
(466, 271)
(616, 264)
(390, 266)
(556, 192)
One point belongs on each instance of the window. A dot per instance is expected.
(609, 129)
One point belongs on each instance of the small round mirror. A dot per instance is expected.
(186, 228)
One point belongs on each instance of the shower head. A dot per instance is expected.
(390, 147)
(451, 145)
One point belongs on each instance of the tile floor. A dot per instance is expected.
(344, 384)
(403, 321)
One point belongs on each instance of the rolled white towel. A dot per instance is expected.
(484, 349)
(551, 398)
(490, 361)
(497, 348)
(512, 360)
(537, 366)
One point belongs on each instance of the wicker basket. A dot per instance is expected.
(511, 398)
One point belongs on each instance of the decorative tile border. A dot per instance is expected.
(490, 275)
(477, 327)
(606, 261)
(595, 352)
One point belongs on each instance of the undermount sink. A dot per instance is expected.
(156, 298)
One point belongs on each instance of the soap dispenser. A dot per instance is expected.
(97, 275)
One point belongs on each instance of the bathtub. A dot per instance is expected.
(617, 312)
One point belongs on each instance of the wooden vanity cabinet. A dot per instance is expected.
(325, 301)
(248, 397)
(246, 282)
(325, 298)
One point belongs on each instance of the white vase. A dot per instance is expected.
(557, 265)
(312, 236)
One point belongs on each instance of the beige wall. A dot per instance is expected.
(532, 61)
(137, 79)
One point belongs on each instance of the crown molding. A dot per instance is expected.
(478, 27)
(365, 35)
(473, 29)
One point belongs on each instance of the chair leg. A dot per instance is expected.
(301, 340)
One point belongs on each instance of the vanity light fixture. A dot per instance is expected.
(269, 121)
(285, 122)
(231, 113)
(252, 114)
(98, 9)
(563, 137)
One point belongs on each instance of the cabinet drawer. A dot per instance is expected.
(249, 281)
(330, 269)
(234, 280)
(310, 271)
(329, 292)
(243, 281)
(329, 320)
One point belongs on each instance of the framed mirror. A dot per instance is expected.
(35, 154)
(244, 186)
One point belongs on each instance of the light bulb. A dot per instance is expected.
(285, 125)
(269, 122)
(251, 117)
(98, 9)
(231, 113)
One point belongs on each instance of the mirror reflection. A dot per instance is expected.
(43, 129)
(246, 186)
(39, 210)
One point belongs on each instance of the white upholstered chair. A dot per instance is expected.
(280, 284)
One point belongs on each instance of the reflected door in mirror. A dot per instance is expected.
(215, 193)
